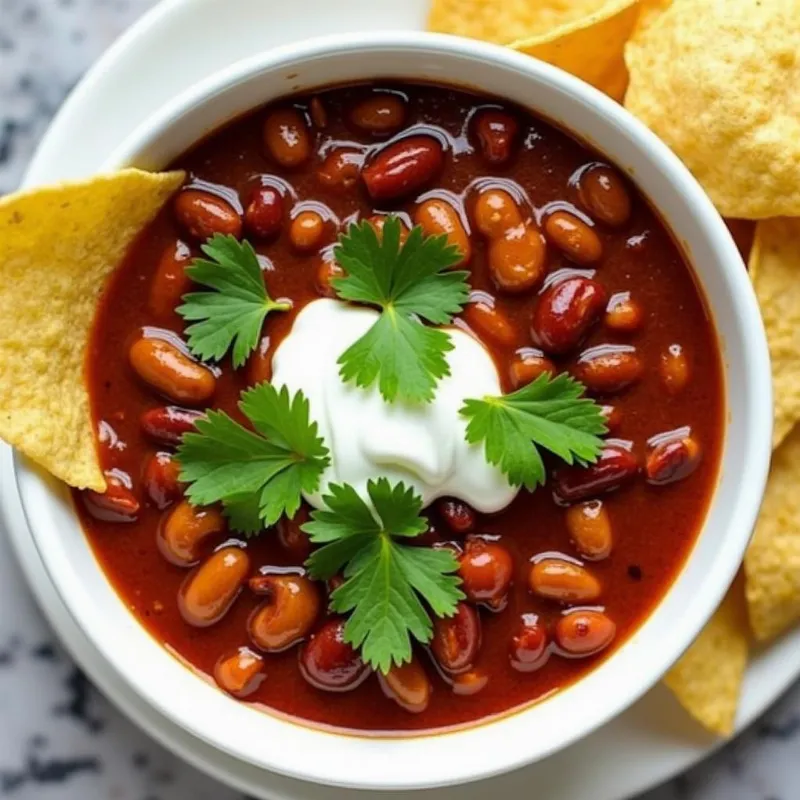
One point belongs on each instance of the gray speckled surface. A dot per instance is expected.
(59, 738)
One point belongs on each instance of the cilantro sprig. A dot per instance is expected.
(550, 413)
(233, 314)
(386, 580)
(411, 284)
(258, 475)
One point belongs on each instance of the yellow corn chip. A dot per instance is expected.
(590, 47)
(708, 678)
(57, 246)
(775, 272)
(772, 562)
(719, 82)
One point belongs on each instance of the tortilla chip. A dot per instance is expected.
(58, 245)
(591, 47)
(708, 678)
(775, 272)
(719, 82)
(772, 562)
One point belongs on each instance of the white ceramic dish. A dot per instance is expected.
(275, 744)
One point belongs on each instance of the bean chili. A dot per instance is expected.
(571, 270)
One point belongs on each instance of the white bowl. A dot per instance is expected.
(271, 742)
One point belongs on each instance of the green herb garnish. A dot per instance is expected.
(411, 283)
(551, 413)
(258, 475)
(385, 579)
(232, 314)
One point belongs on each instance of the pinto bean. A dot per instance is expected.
(286, 138)
(561, 580)
(469, 683)
(240, 673)
(170, 281)
(584, 632)
(341, 168)
(457, 515)
(528, 649)
(672, 460)
(495, 212)
(162, 480)
(403, 167)
(565, 313)
(292, 537)
(486, 570)
(604, 196)
(615, 467)
(167, 424)
(172, 373)
(307, 231)
(496, 132)
(263, 217)
(211, 587)
(528, 365)
(380, 114)
(573, 237)
(607, 369)
(378, 221)
(184, 531)
(590, 529)
(674, 369)
(407, 685)
(437, 217)
(457, 639)
(287, 615)
(117, 504)
(327, 271)
(516, 259)
(202, 214)
(487, 321)
(328, 662)
(624, 314)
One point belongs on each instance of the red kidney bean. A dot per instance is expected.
(615, 467)
(457, 639)
(607, 369)
(604, 196)
(528, 648)
(117, 504)
(565, 313)
(263, 217)
(672, 460)
(528, 365)
(203, 214)
(456, 514)
(184, 531)
(170, 281)
(286, 137)
(211, 588)
(403, 167)
(240, 673)
(486, 570)
(584, 633)
(167, 424)
(496, 131)
(407, 685)
(328, 662)
(289, 612)
(162, 480)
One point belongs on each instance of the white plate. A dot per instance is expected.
(175, 45)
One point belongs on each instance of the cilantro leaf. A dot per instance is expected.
(232, 314)
(386, 581)
(258, 475)
(410, 284)
(550, 413)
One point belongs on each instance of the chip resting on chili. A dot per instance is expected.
(772, 562)
(58, 245)
(719, 82)
(590, 47)
(708, 678)
(774, 270)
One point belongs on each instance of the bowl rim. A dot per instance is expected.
(757, 437)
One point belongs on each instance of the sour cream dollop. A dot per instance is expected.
(423, 446)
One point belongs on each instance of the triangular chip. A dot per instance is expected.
(772, 563)
(57, 247)
(708, 678)
(775, 272)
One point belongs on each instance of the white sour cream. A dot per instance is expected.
(423, 446)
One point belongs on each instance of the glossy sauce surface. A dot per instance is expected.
(654, 526)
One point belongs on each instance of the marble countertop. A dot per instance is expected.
(59, 738)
